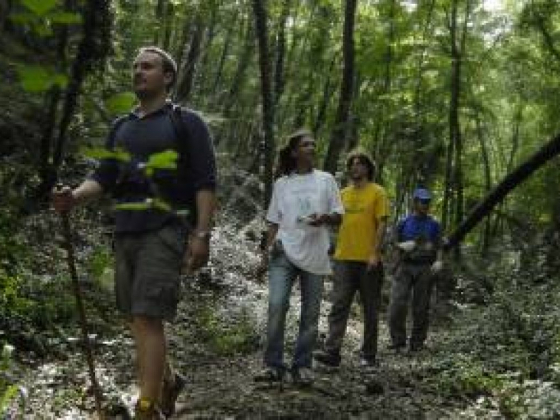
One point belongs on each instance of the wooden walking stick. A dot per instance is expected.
(67, 232)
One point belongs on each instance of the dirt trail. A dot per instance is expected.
(217, 342)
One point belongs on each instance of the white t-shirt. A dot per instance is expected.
(300, 195)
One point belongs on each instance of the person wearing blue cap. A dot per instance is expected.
(418, 238)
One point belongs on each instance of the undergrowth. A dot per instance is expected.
(504, 356)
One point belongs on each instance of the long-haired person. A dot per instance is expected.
(305, 202)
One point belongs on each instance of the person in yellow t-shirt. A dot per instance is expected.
(358, 260)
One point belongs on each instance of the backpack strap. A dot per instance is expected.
(114, 128)
(181, 132)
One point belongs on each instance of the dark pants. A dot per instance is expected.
(350, 277)
(418, 280)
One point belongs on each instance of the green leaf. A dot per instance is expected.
(22, 18)
(120, 103)
(66, 18)
(39, 79)
(149, 203)
(39, 7)
(138, 206)
(163, 160)
(100, 153)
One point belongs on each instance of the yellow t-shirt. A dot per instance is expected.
(363, 210)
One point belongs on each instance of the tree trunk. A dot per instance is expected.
(487, 179)
(328, 91)
(160, 15)
(512, 180)
(5, 7)
(260, 12)
(188, 68)
(279, 76)
(338, 140)
(168, 26)
(237, 83)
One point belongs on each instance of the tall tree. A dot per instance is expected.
(454, 168)
(338, 135)
(188, 67)
(261, 19)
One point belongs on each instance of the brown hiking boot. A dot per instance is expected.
(170, 392)
(147, 410)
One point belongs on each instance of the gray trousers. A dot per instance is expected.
(350, 277)
(415, 279)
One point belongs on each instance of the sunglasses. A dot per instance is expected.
(425, 201)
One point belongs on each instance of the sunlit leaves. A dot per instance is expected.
(120, 103)
(101, 153)
(163, 160)
(39, 7)
(37, 79)
(41, 15)
(148, 204)
(65, 18)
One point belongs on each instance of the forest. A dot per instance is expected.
(456, 96)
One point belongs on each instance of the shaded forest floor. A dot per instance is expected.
(468, 370)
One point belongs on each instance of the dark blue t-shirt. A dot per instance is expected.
(142, 137)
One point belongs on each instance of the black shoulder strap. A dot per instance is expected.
(181, 132)
(114, 128)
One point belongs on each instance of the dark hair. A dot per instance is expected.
(169, 65)
(286, 163)
(364, 157)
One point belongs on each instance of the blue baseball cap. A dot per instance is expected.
(422, 194)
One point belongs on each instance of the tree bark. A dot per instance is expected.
(279, 76)
(550, 150)
(5, 7)
(260, 12)
(188, 68)
(160, 19)
(337, 139)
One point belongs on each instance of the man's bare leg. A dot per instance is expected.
(149, 337)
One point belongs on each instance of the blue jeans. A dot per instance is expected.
(282, 275)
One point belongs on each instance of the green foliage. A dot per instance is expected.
(100, 259)
(505, 355)
(147, 204)
(8, 390)
(39, 7)
(228, 337)
(36, 79)
(41, 15)
(100, 153)
(120, 103)
(164, 160)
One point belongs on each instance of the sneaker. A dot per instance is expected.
(270, 374)
(170, 392)
(326, 358)
(302, 376)
(147, 410)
